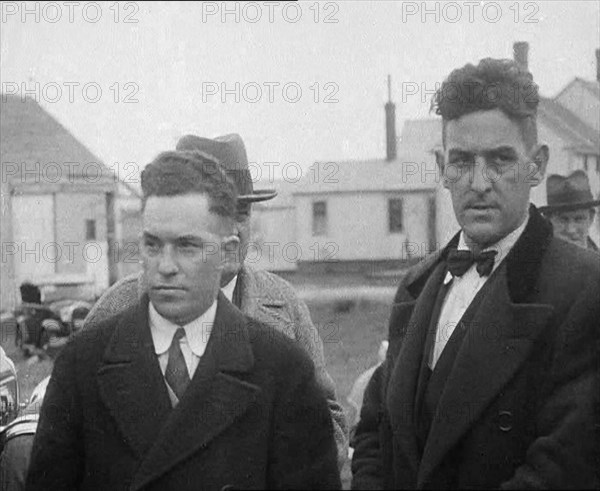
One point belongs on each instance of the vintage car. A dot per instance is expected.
(16, 438)
(40, 326)
(9, 391)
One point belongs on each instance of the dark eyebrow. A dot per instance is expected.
(456, 152)
(504, 149)
(148, 235)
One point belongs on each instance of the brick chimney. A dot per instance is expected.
(390, 124)
(598, 65)
(520, 52)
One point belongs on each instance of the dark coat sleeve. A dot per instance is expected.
(367, 461)
(303, 454)
(57, 454)
(565, 451)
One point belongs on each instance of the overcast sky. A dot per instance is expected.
(174, 62)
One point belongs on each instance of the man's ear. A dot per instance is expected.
(231, 250)
(439, 160)
(540, 156)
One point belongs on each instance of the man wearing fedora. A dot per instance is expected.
(571, 208)
(491, 377)
(259, 294)
(182, 391)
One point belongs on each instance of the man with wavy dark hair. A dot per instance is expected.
(491, 376)
(182, 391)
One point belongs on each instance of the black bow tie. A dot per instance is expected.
(460, 261)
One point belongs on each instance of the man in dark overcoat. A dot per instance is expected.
(183, 391)
(491, 376)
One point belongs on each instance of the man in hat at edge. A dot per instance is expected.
(182, 391)
(570, 208)
(259, 294)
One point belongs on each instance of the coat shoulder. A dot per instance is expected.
(271, 284)
(570, 266)
(118, 298)
(274, 350)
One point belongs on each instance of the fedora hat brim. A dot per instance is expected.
(258, 195)
(569, 206)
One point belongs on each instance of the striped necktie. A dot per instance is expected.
(176, 374)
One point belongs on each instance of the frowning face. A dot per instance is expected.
(573, 226)
(489, 173)
(182, 255)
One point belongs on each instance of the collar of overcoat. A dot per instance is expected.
(257, 298)
(132, 386)
(499, 339)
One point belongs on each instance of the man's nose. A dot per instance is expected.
(481, 179)
(572, 228)
(167, 264)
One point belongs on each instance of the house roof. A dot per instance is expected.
(37, 150)
(406, 173)
(583, 137)
(413, 170)
(592, 86)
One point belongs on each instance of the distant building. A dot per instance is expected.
(359, 216)
(372, 215)
(59, 207)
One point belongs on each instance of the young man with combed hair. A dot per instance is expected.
(491, 376)
(182, 391)
(257, 293)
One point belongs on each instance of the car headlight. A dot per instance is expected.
(9, 399)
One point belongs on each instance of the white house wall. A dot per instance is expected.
(358, 226)
(33, 235)
(582, 102)
(273, 241)
(72, 211)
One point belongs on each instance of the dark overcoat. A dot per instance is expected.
(252, 416)
(519, 407)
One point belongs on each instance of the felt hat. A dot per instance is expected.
(230, 153)
(569, 193)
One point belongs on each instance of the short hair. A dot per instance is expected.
(492, 84)
(176, 173)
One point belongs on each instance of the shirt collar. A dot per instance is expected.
(229, 288)
(197, 332)
(502, 247)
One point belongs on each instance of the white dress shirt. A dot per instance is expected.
(463, 289)
(229, 288)
(192, 344)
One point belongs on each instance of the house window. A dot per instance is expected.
(90, 230)
(319, 225)
(395, 217)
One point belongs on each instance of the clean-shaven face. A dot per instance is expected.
(489, 174)
(573, 226)
(181, 252)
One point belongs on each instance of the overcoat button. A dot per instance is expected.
(505, 420)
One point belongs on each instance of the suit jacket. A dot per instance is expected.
(252, 416)
(518, 408)
(269, 299)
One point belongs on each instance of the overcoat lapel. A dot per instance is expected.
(215, 398)
(497, 342)
(131, 383)
(414, 318)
